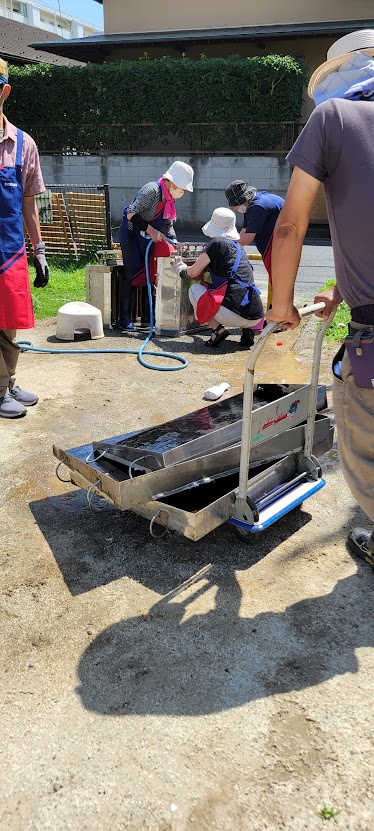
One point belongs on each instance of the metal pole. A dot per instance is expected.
(309, 429)
(108, 218)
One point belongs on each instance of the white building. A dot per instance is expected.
(40, 16)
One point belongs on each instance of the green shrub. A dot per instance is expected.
(126, 105)
(339, 326)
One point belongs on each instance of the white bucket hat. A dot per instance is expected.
(221, 224)
(339, 52)
(181, 174)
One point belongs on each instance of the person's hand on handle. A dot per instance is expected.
(155, 235)
(41, 267)
(332, 298)
(288, 316)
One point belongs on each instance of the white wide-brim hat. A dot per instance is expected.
(221, 224)
(181, 174)
(339, 52)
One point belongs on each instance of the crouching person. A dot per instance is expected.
(228, 297)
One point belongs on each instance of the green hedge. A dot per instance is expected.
(95, 108)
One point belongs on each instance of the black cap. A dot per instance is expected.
(239, 192)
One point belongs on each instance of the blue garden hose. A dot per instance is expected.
(26, 345)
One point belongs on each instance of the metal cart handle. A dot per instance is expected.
(248, 392)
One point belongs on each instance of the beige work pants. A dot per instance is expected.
(9, 354)
(354, 413)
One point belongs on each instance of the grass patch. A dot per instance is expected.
(67, 282)
(338, 328)
(328, 812)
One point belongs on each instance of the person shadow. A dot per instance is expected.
(174, 661)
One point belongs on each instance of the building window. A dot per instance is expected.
(19, 8)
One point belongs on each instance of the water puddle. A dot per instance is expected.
(330, 461)
(278, 363)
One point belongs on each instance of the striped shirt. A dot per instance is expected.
(145, 203)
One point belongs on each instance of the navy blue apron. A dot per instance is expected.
(209, 303)
(137, 244)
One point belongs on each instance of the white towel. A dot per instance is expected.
(354, 79)
(213, 393)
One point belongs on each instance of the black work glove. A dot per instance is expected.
(42, 270)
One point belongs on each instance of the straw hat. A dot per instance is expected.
(339, 52)
(221, 224)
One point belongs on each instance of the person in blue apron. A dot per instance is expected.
(226, 298)
(260, 210)
(20, 180)
(151, 214)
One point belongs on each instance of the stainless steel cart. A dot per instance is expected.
(293, 480)
(239, 460)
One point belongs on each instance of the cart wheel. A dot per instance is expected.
(248, 537)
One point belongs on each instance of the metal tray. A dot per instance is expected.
(208, 430)
(115, 485)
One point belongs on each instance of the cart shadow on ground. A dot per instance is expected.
(195, 653)
(94, 548)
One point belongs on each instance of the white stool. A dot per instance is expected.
(77, 316)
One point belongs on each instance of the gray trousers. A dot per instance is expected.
(354, 413)
(9, 354)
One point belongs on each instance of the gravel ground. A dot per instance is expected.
(168, 685)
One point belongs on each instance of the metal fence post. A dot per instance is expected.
(108, 218)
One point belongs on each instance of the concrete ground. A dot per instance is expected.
(169, 685)
(316, 266)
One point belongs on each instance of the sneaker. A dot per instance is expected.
(28, 399)
(10, 408)
(360, 543)
(128, 330)
(247, 339)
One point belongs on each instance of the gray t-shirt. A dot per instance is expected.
(336, 146)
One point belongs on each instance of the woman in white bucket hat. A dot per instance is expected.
(151, 214)
(230, 298)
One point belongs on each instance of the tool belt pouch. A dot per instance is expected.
(360, 347)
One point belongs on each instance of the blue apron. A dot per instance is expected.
(137, 245)
(16, 310)
(209, 303)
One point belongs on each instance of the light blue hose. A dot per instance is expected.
(26, 345)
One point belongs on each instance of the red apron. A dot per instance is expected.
(16, 310)
(209, 303)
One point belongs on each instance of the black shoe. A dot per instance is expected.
(218, 335)
(248, 338)
(359, 544)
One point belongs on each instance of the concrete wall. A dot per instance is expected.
(148, 16)
(126, 174)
